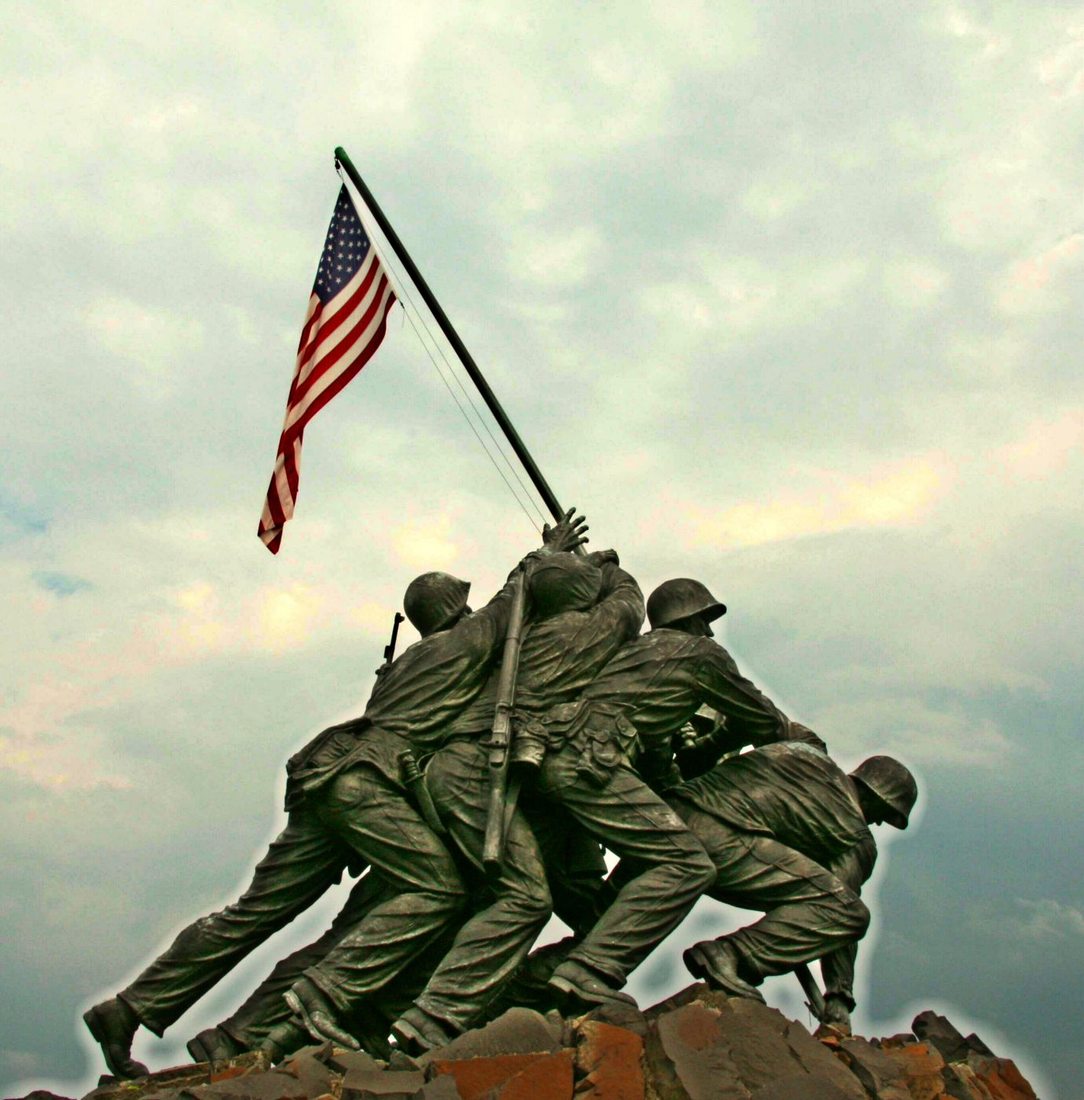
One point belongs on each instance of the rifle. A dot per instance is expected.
(389, 649)
(815, 1004)
(503, 792)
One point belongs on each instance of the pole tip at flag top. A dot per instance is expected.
(344, 325)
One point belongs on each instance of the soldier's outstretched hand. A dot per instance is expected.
(567, 533)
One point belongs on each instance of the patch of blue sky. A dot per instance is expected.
(18, 518)
(61, 584)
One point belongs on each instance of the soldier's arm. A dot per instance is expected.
(619, 612)
(490, 622)
(751, 717)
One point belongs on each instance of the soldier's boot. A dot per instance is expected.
(282, 1040)
(717, 963)
(836, 1020)
(213, 1045)
(416, 1031)
(581, 989)
(309, 1003)
(113, 1024)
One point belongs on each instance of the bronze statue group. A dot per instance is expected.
(651, 746)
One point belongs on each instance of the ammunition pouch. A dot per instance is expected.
(600, 735)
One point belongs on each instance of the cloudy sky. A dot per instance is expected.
(786, 296)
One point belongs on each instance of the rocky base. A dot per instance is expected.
(698, 1045)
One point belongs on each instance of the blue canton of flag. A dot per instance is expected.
(344, 250)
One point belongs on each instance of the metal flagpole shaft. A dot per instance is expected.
(446, 327)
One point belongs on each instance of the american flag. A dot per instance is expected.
(347, 318)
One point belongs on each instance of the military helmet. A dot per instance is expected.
(434, 600)
(892, 783)
(680, 598)
(564, 582)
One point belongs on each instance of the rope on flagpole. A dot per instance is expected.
(414, 316)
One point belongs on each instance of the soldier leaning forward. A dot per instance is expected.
(625, 721)
(789, 834)
(583, 609)
(347, 807)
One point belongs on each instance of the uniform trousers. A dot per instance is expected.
(808, 912)
(360, 818)
(511, 910)
(667, 866)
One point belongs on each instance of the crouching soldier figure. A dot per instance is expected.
(789, 834)
(610, 755)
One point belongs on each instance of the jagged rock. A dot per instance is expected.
(922, 1068)
(440, 1088)
(697, 1045)
(273, 1085)
(546, 1078)
(477, 1078)
(880, 1075)
(309, 1067)
(382, 1084)
(609, 1061)
(620, 1015)
(517, 1031)
(951, 1045)
(706, 1046)
(1001, 1078)
(343, 1061)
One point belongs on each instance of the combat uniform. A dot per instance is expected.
(785, 829)
(347, 807)
(608, 753)
(558, 657)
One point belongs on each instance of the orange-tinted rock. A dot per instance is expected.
(962, 1084)
(547, 1078)
(1002, 1079)
(922, 1068)
(610, 1061)
(477, 1077)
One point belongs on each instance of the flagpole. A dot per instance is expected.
(494, 406)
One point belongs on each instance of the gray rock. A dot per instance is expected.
(388, 1084)
(943, 1036)
(309, 1068)
(440, 1088)
(705, 1046)
(343, 1061)
(274, 1085)
(878, 1074)
(518, 1031)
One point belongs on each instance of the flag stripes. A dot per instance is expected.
(344, 325)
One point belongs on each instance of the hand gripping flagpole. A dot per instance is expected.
(476, 376)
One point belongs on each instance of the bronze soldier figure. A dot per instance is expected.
(614, 747)
(789, 834)
(583, 610)
(347, 807)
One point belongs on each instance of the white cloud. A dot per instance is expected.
(1044, 449)
(1048, 921)
(915, 732)
(900, 493)
(1038, 283)
(149, 340)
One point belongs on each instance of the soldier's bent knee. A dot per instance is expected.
(860, 916)
(697, 868)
